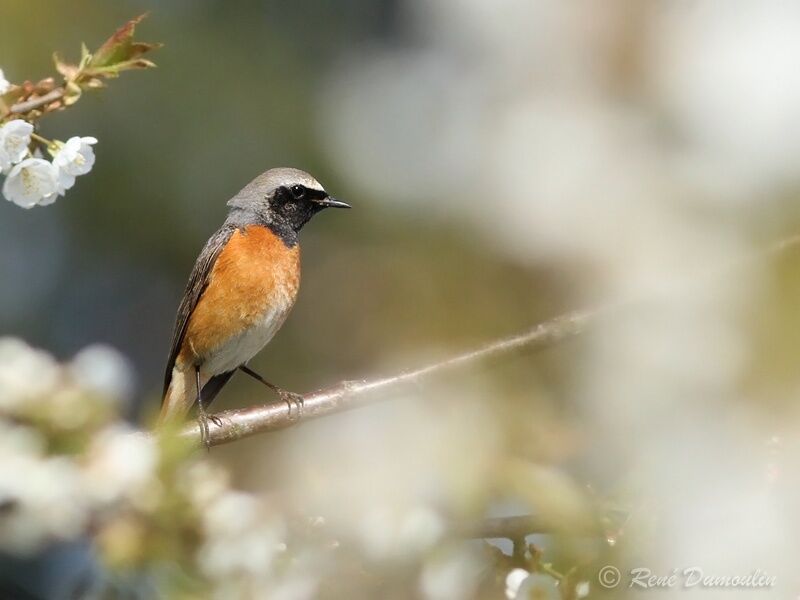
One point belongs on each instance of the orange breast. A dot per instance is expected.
(253, 273)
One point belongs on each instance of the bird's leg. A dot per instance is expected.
(202, 417)
(291, 399)
(203, 403)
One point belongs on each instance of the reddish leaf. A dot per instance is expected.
(120, 47)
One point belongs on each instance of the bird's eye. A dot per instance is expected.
(298, 191)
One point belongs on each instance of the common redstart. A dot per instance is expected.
(242, 287)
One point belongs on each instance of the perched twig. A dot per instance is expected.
(232, 425)
(514, 528)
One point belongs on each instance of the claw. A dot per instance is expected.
(202, 419)
(292, 401)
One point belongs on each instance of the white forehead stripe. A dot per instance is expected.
(298, 177)
(312, 184)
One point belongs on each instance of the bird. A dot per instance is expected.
(240, 291)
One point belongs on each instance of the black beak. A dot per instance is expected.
(331, 202)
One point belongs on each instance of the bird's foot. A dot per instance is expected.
(202, 421)
(293, 401)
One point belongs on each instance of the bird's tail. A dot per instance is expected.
(181, 395)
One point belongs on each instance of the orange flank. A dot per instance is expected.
(254, 273)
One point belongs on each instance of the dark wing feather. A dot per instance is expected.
(198, 281)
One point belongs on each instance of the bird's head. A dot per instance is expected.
(284, 198)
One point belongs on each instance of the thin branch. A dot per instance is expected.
(516, 528)
(233, 425)
(24, 107)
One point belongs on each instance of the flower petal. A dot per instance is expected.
(30, 182)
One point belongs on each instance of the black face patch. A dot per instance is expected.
(291, 208)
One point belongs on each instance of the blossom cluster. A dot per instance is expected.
(522, 584)
(45, 406)
(30, 179)
(70, 468)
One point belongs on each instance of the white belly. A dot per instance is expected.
(240, 349)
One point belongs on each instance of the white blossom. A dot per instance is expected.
(4, 83)
(19, 440)
(582, 589)
(104, 371)
(25, 374)
(15, 136)
(452, 573)
(299, 587)
(64, 181)
(120, 464)
(75, 157)
(514, 580)
(232, 515)
(203, 483)
(42, 501)
(30, 182)
(538, 586)
(388, 532)
(241, 539)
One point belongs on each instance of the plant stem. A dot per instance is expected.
(21, 108)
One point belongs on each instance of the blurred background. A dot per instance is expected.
(506, 162)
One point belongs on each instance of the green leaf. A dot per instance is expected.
(86, 56)
(120, 49)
